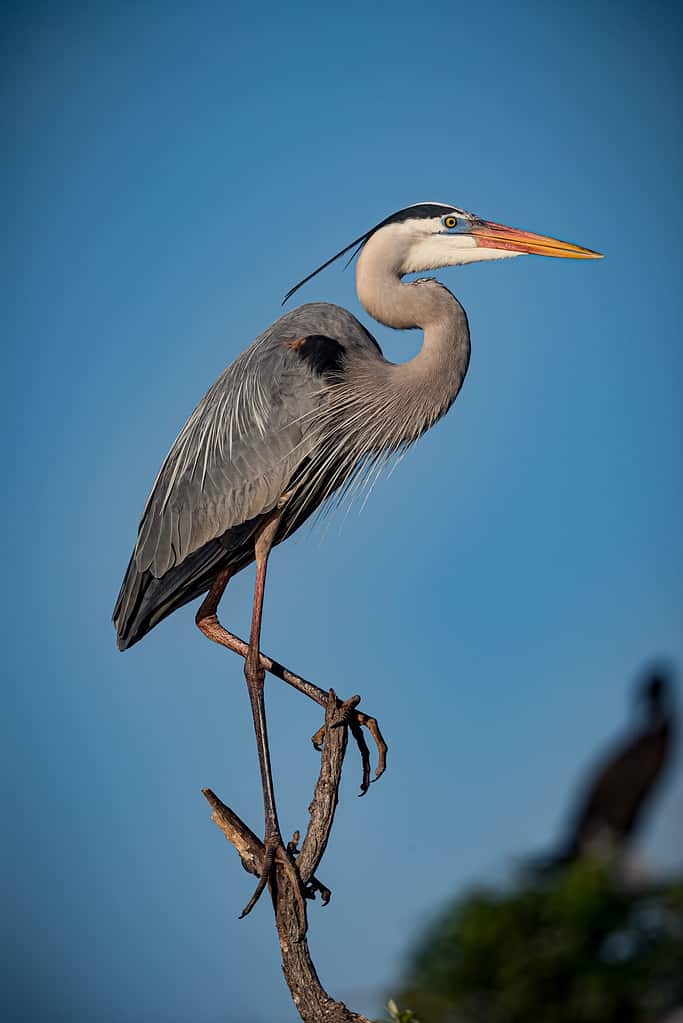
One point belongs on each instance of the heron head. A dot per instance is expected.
(431, 235)
(655, 689)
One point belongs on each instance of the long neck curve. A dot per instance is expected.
(426, 386)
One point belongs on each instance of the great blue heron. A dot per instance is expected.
(309, 410)
(611, 805)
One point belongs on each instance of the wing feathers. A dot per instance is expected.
(232, 461)
(243, 443)
(233, 458)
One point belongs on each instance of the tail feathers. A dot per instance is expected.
(144, 601)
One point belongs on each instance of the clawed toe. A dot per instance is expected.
(317, 739)
(275, 853)
(314, 886)
(356, 721)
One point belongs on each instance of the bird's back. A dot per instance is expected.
(232, 461)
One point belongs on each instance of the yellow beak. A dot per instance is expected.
(496, 236)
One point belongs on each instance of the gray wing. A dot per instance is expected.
(242, 444)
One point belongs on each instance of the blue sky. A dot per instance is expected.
(175, 168)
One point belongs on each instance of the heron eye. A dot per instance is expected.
(449, 222)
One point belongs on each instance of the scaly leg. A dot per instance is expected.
(274, 849)
(207, 621)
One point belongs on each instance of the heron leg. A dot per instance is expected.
(207, 621)
(274, 848)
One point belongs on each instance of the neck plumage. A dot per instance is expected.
(378, 409)
(418, 392)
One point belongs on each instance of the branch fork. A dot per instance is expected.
(312, 1001)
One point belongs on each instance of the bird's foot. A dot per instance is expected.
(274, 855)
(356, 721)
(314, 885)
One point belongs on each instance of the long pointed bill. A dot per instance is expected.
(495, 236)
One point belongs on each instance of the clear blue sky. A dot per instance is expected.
(174, 169)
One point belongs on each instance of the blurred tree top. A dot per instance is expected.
(585, 947)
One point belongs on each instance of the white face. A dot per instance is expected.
(457, 237)
(434, 242)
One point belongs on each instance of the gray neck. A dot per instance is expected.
(425, 387)
(377, 409)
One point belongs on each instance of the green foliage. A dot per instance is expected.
(397, 1015)
(584, 948)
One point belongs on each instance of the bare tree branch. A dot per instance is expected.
(312, 1001)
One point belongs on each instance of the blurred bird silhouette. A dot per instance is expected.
(610, 808)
